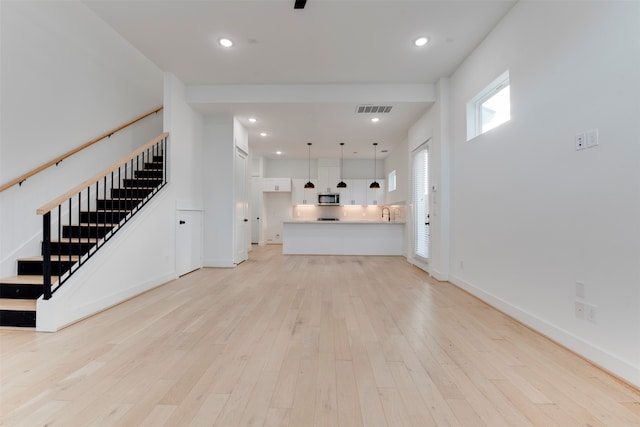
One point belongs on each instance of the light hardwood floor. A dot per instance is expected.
(304, 341)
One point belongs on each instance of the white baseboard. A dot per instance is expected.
(596, 355)
(439, 276)
(219, 263)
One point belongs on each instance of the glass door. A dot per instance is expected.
(421, 202)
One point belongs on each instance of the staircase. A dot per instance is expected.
(77, 242)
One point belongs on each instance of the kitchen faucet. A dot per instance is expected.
(388, 213)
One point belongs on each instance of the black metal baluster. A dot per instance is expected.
(127, 193)
(46, 255)
(119, 181)
(78, 251)
(104, 223)
(89, 246)
(69, 215)
(111, 210)
(164, 160)
(60, 235)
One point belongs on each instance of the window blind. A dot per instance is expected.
(421, 202)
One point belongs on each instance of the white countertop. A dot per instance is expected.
(342, 221)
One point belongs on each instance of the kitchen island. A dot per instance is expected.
(344, 237)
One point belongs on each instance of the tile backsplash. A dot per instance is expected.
(348, 212)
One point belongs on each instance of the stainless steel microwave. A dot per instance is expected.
(329, 199)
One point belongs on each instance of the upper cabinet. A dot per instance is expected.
(359, 193)
(375, 196)
(328, 178)
(304, 196)
(276, 184)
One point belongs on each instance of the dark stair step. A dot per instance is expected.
(23, 287)
(86, 230)
(102, 216)
(158, 158)
(117, 204)
(72, 246)
(142, 182)
(151, 173)
(34, 265)
(127, 193)
(154, 165)
(18, 312)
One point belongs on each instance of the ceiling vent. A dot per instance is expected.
(375, 109)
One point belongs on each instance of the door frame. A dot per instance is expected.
(418, 261)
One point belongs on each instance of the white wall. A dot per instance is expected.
(186, 127)
(218, 157)
(530, 215)
(277, 207)
(397, 160)
(66, 78)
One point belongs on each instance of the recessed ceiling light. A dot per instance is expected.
(421, 41)
(375, 120)
(252, 119)
(225, 42)
(278, 152)
(263, 134)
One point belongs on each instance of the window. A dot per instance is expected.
(391, 182)
(490, 108)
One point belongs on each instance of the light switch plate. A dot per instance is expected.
(592, 138)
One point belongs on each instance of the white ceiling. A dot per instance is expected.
(336, 44)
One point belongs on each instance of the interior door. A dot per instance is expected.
(421, 202)
(188, 241)
(256, 209)
(242, 208)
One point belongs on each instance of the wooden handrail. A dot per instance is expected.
(58, 159)
(75, 190)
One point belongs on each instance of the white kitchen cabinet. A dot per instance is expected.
(276, 184)
(354, 194)
(328, 178)
(303, 196)
(375, 196)
(345, 194)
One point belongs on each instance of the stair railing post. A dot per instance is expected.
(46, 255)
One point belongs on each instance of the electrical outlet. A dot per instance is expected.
(579, 310)
(590, 313)
(580, 290)
(580, 141)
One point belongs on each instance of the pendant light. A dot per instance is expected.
(309, 184)
(374, 184)
(341, 184)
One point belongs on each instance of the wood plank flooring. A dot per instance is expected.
(303, 341)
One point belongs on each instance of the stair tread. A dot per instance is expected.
(62, 258)
(17, 304)
(92, 224)
(26, 279)
(75, 240)
(107, 211)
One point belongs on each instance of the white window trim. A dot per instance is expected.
(391, 181)
(474, 121)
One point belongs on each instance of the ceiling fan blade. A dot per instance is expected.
(299, 4)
